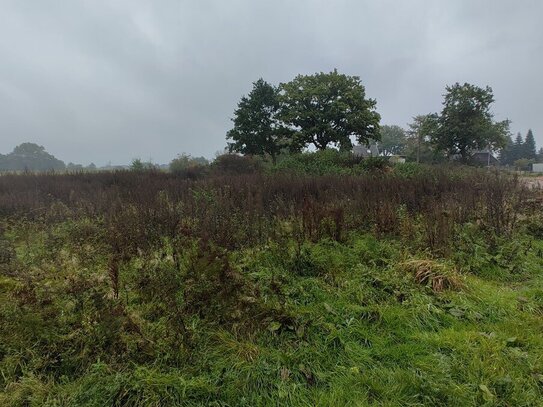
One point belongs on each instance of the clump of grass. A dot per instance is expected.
(436, 275)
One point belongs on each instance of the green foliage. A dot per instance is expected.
(410, 170)
(188, 166)
(519, 150)
(228, 164)
(324, 109)
(153, 290)
(257, 129)
(352, 313)
(328, 161)
(393, 140)
(523, 164)
(496, 258)
(534, 225)
(466, 123)
(373, 164)
(328, 109)
(138, 165)
(29, 156)
(508, 152)
(529, 146)
(419, 147)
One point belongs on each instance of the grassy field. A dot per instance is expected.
(407, 288)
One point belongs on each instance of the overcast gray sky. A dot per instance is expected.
(111, 80)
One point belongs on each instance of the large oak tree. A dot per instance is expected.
(328, 109)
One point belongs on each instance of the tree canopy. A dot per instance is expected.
(325, 110)
(466, 123)
(322, 110)
(257, 130)
(184, 162)
(419, 136)
(520, 149)
(328, 109)
(30, 156)
(393, 140)
(529, 148)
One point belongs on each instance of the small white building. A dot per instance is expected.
(537, 167)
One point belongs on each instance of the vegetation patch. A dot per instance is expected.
(431, 273)
(149, 289)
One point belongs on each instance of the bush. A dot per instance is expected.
(323, 162)
(138, 165)
(189, 167)
(410, 170)
(524, 164)
(231, 164)
(375, 164)
(534, 225)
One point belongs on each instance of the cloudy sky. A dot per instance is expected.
(111, 80)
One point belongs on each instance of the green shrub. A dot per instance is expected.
(231, 164)
(323, 162)
(373, 164)
(410, 170)
(534, 225)
(524, 164)
(138, 165)
(187, 166)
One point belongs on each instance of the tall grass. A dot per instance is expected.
(237, 210)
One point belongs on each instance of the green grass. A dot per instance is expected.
(348, 326)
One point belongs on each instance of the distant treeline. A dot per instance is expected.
(33, 157)
(30, 156)
(326, 110)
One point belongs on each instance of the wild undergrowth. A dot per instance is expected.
(149, 289)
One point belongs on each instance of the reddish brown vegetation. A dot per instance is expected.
(243, 210)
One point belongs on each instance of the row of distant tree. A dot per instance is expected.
(30, 156)
(33, 157)
(331, 110)
(521, 151)
(397, 141)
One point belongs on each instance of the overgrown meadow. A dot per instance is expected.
(407, 287)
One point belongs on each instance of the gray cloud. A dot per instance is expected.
(97, 80)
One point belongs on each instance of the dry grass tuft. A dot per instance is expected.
(436, 275)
